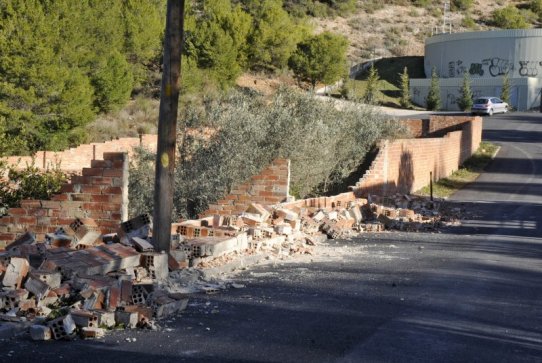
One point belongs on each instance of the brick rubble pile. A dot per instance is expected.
(78, 281)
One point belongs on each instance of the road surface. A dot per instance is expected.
(470, 294)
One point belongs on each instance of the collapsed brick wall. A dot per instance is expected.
(72, 160)
(101, 193)
(269, 187)
(404, 165)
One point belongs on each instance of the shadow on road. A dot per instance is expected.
(512, 135)
(498, 218)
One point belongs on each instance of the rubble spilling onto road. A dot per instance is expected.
(80, 282)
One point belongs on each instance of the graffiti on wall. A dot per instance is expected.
(476, 69)
(451, 99)
(494, 67)
(456, 68)
(529, 68)
(498, 67)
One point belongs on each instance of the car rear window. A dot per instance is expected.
(481, 101)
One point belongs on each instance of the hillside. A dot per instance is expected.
(73, 80)
(394, 32)
(376, 31)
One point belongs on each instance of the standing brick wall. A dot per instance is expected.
(269, 187)
(101, 193)
(439, 124)
(72, 160)
(404, 165)
(435, 126)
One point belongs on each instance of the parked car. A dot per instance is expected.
(489, 106)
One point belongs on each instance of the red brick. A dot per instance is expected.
(115, 198)
(61, 197)
(118, 164)
(111, 207)
(93, 172)
(91, 189)
(25, 220)
(17, 211)
(112, 173)
(102, 181)
(30, 203)
(50, 204)
(112, 190)
(114, 156)
(100, 198)
(66, 188)
(7, 237)
(37, 212)
(100, 164)
(92, 206)
(77, 179)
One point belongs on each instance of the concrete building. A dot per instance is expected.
(487, 56)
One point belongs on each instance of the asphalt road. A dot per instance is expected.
(470, 294)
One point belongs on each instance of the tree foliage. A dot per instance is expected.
(433, 97)
(405, 100)
(273, 37)
(63, 61)
(249, 132)
(27, 183)
(509, 17)
(320, 58)
(216, 33)
(505, 90)
(465, 94)
(320, 8)
(371, 89)
(462, 5)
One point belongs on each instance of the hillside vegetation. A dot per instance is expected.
(78, 71)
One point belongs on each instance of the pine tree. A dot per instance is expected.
(273, 37)
(320, 58)
(371, 90)
(465, 94)
(433, 97)
(405, 90)
(505, 91)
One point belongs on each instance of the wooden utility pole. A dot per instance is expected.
(167, 126)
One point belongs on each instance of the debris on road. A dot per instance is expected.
(78, 281)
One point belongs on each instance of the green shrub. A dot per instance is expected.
(536, 7)
(508, 17)
(422, 3)
(323, 143)
(27, 183)
(433, 97)
(462, 5)
(464, 100)
(468, 22)
(405, 100)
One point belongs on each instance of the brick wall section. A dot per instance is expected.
(99, 193)
(269, 187)
(435, 126)
(404, 165)
(72, 160)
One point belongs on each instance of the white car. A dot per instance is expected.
(489, 106)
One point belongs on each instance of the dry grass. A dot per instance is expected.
(137, 117)
(369, 31)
